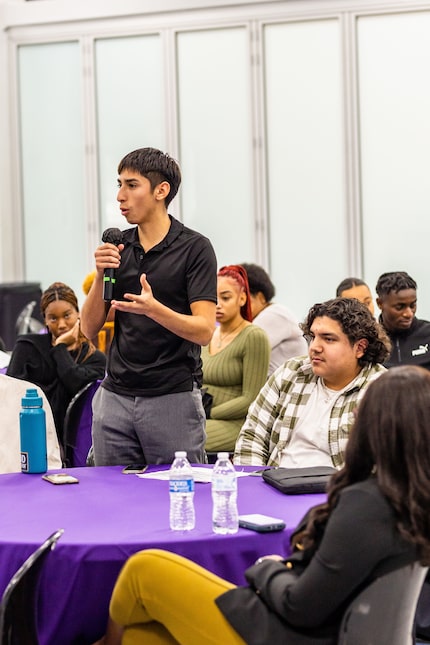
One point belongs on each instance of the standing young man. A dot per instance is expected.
(410, 337)
(164, 300)
(304, 413)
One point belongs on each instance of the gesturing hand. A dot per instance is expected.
(140, 303)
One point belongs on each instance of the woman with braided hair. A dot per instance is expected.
(62, 361)
(235, 362)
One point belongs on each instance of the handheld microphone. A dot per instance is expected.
(113, 236)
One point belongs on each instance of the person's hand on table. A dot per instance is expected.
(278, 558)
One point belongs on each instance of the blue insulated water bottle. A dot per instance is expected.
(32, 426)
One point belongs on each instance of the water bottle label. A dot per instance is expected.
(224, 483)
(181, 485)
(24, 462)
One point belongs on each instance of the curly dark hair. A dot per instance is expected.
(156, 166)
(356, 322)
(390, 439)
(394, 281)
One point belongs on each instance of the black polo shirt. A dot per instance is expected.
(146, 359)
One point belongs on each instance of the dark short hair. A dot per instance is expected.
(349, 283)
(156, 166)
(356, 322)
(394, 281)
(259, 280)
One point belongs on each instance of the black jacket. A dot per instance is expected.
(410, 347)
(360, 542)
(58, 372)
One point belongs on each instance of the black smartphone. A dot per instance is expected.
(261, 523)
(134, 469)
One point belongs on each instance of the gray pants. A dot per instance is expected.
(128, 429)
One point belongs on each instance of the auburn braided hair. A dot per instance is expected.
(237, 272)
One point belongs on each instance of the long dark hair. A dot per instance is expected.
(391, 440)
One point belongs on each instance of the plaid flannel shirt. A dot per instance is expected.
(272, 417)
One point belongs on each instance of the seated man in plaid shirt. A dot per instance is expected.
(303, 415)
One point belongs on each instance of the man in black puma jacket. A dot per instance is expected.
(410, 337)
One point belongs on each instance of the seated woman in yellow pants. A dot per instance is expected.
(149, 598)
(367, 527)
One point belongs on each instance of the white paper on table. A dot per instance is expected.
(201, 475)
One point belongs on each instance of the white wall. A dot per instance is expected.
(301, 128)
(394, 62)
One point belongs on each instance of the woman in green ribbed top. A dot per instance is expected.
(236, 361)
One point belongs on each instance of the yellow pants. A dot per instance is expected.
(162, 598)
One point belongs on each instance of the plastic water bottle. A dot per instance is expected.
(32, 426)
(224, 496)
(181, 488)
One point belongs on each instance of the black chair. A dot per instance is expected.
(18, 606)
(77, 426)
(383, 613)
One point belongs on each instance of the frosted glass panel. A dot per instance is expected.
(394, 62)
(305, 172)
(52, 163)
(215, 139)
(130, 109)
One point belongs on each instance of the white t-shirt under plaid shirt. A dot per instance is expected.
(273, 416)
(309, 441)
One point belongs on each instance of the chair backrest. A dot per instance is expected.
(77, 426)
(25, 324)
(18, 606)
(422, 618)
(383, 613)
(104, 337)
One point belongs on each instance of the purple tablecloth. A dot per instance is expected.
(107, 517)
